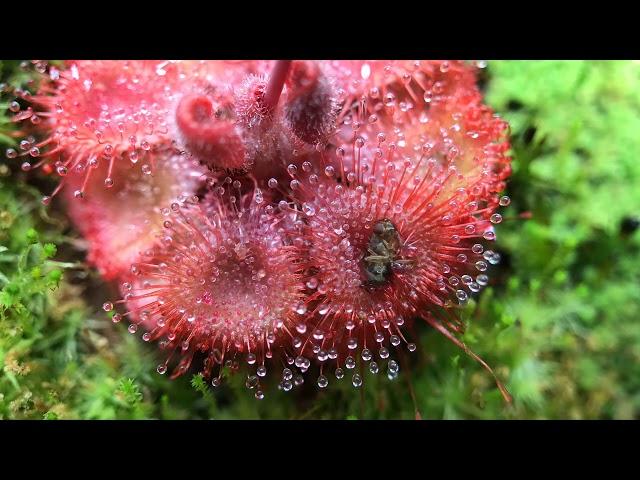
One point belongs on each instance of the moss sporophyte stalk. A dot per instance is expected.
(283, 219)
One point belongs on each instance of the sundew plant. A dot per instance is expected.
(302, 239)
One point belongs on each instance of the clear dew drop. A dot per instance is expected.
(504, 201)
(339, 373)
(462, 296)
(322, 381)
(350, 363)
(393, 366)
(356, 380)
(489, 235)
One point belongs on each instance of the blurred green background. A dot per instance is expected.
(560, 323)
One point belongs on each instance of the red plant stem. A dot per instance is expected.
(276, 84)
(412, 393)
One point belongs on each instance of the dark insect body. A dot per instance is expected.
(383, 248)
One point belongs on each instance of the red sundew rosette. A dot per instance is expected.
(393, 168)
(223, 279)
(438, 263)
(348, 312)
(118, 223)
(434, 105)
(92, 109)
